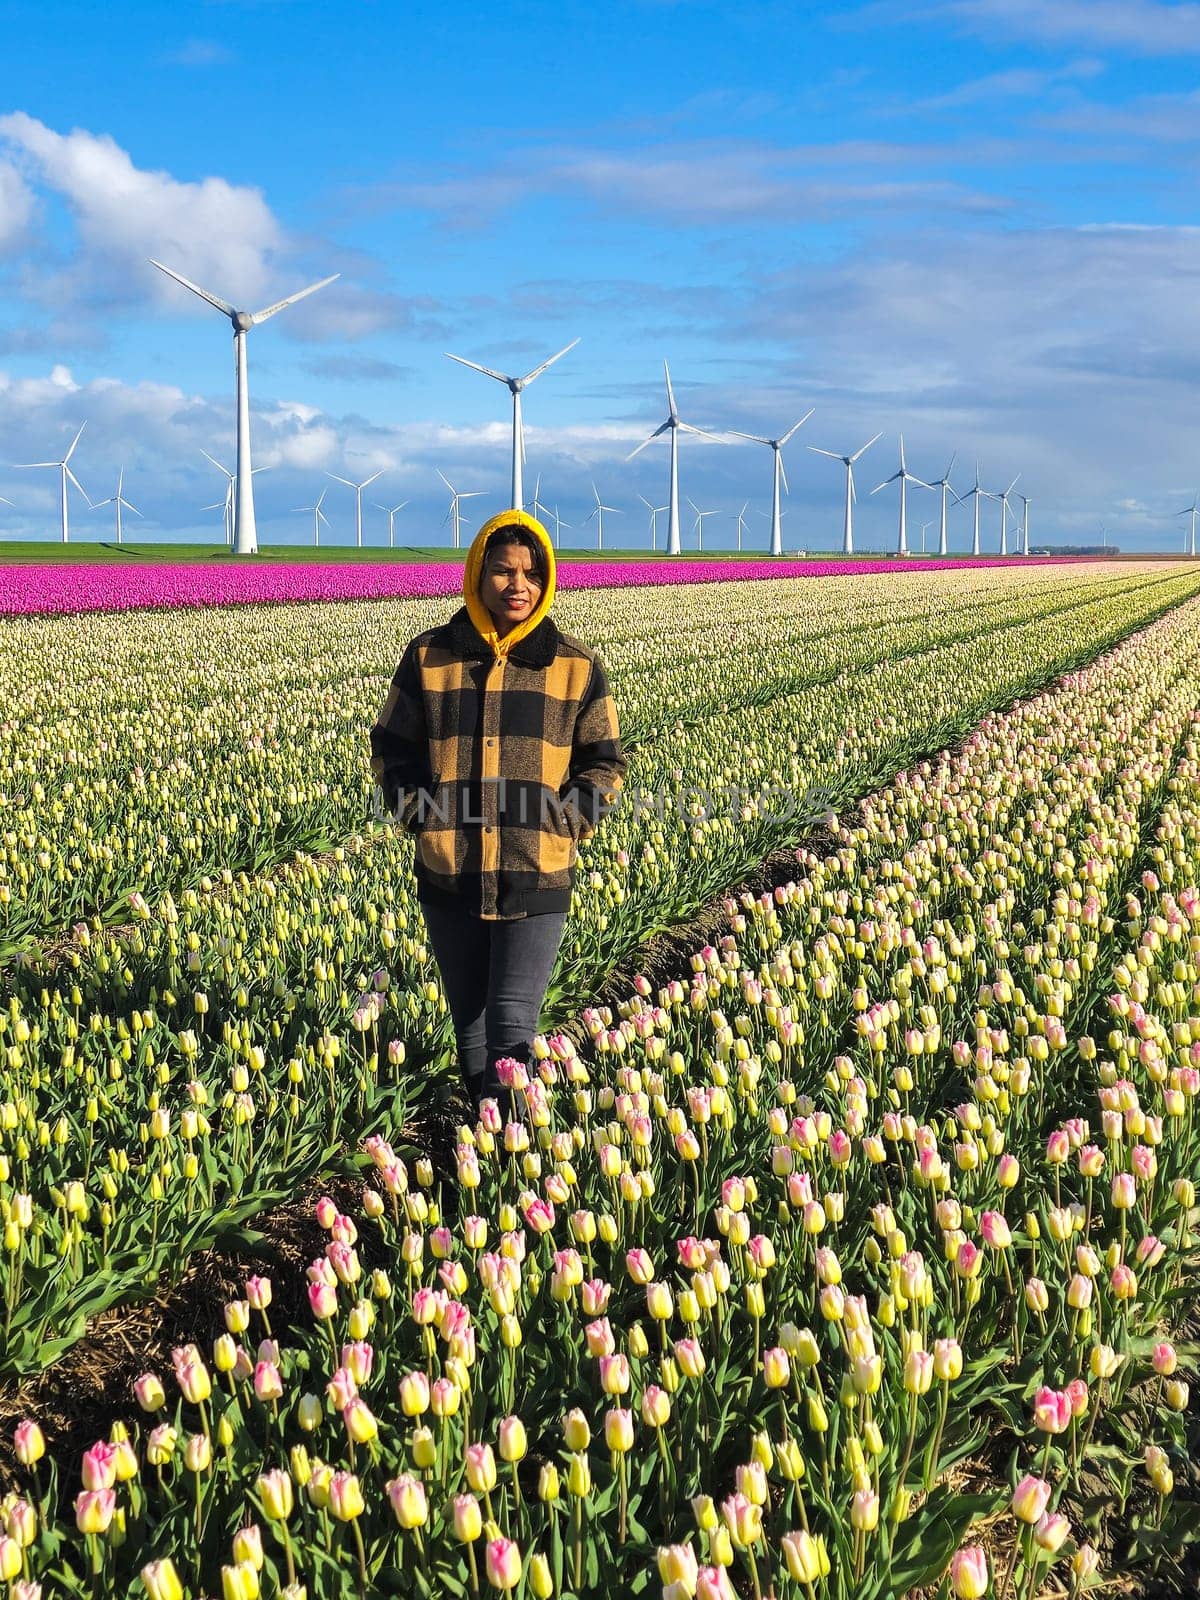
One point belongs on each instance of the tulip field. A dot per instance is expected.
(860, 1258)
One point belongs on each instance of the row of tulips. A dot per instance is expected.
(89, 587)
(230, 752)
(790, 1279)
(162, 1086)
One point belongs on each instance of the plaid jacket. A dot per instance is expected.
(498, 763)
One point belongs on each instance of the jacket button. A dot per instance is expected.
(491, 741)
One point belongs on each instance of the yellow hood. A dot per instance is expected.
(485, 624)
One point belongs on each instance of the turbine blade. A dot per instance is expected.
(213, 300)
(21, 465)
(670, 391)
(796, 425)
(369, 480)
(866, 447)
(74, 442)
(688, 428)
(537, 371)
(217, 464)
(346, 481)
(1013, 484)
(950, 468)
(783, 475)
(78, 485)
(281, 305)
(832, 454)
(629, 457)
(753, 437)
(500, 377)
(132, 508)
(444, 479)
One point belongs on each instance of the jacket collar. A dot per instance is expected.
(537, 649)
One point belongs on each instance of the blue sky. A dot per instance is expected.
(970, 221)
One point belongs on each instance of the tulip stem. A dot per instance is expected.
(362, 1560)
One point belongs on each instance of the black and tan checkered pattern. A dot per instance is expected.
(498, 763)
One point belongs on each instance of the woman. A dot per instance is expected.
(499, 748)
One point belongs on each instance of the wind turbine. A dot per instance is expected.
(673, 425)
(851, 497)
(778, 474)
(1191, 511)
(65, 472)
(515, 386)
(559, 525)
(118, 500)
(454, 515)
(228, 501)
(1024, 499)
(905, 477)
(943, 483)
(741, 524)
(977, 494)
(358, 489)
(319, 516)
(654, 515)
(391, 516)
(699, 522)
(1003, 499)
(924, 525)
(598, 512)
(245, 534)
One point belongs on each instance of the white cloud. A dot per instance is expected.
(221, 235)
(1140, 27)
(16, 207)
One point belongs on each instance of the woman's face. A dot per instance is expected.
(508, 587)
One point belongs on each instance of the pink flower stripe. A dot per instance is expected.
(31, 590)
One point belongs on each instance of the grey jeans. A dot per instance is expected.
(495, 976)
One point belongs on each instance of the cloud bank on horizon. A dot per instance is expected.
(963, 220)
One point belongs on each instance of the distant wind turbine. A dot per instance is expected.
(245, 533)
(319, 516)
(674, 425)
(1024, 499)
(778, 473)
(598, 512)
(699, 523)
(515, 386)
(358, 489)
(741, 524)
(541, 512)
(392, 512)
(559, 525)
(925, 525)
(118, 500)
(64, 472)
(977, 494)
(1003, 499)
(851, 497)
(904, 477)
(943, 483)
(454, 515)
(655, 512)
(228, 501)
(1191, 511)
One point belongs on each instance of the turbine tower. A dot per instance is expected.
(559, 525)
(699, 522)
(319, 516)
(1191, 511)
(358, 489)
(391, 516)
(245, 533)
(515, 386)
(905, 477)
(118, 500)
(943, 483)
(541, 512)
(851, 497)
(674, 425)
(1024, 499)
(1003, 499)
(454, 515)
(598, 513)
(779, 473)
(977, 494)
(64, 471)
